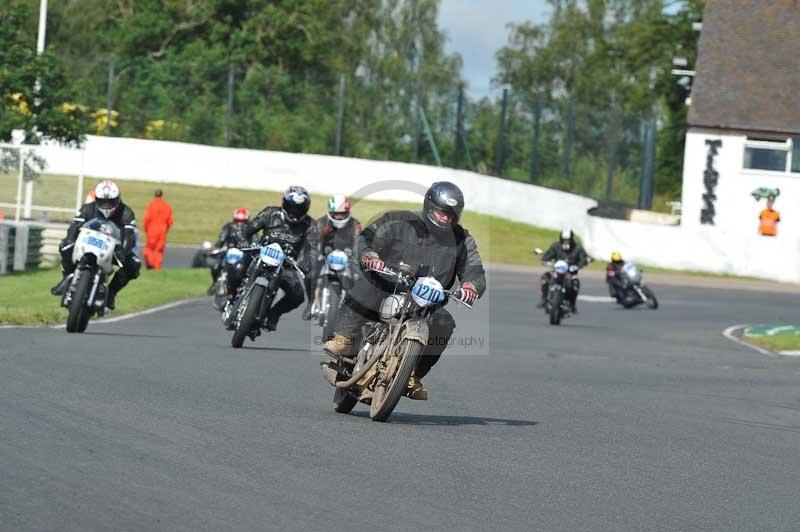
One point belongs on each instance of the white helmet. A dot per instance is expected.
(339, 210)
(106, 197)
(567, 239)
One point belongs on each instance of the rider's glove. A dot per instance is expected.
(371, 261)
(468, 293)
(573, 269)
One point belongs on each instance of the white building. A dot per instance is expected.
(744, 132)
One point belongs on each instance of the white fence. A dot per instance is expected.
(705, 248)
(21, 157)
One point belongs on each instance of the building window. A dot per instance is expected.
(768, 154)
(796, 155)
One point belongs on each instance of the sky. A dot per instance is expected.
(476, 29)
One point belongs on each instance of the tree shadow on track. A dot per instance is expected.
(128, 335)
(451, 421)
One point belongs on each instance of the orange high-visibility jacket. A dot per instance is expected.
(769, 222)
(157, 217)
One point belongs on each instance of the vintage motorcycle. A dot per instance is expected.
(247, 315)
(333, 277)
(633, 291)
(94, 258)
(390, 348)
(219, 289)
(560, 278)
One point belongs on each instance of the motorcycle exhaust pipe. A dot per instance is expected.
(329, 374)
(360, 373)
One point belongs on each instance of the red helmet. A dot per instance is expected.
(241, 215)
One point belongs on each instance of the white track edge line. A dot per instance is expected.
(728, 333)
(136, 314)
(114, 319)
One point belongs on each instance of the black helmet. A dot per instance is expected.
(295, 204)
(443, 200)
(567, 239)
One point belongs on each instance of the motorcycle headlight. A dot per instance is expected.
(391, 306)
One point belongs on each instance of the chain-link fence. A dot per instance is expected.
(547, 140)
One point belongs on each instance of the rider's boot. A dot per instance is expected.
(272, 320)
(307, 312)
(338, 346)
(111, 298)
(61, 286)
(416, 390)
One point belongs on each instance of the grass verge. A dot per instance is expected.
(25, 298)
(776, 338)
(200, 212)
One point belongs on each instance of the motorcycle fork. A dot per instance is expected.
(269, 297)
(93, 291)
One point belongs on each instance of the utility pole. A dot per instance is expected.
(40, 43)
(110, 95)
(417, 119)
(501, 146)
(229, 114)
(537, 117)
(340, 116)
(459, 128)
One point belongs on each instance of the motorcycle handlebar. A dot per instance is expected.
(407, 280)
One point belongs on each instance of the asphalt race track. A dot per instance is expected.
(616, 421)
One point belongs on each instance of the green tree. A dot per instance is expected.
(35, 95)
(609, 61)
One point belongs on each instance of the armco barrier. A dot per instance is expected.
(192, 164)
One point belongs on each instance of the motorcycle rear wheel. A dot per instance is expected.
(248, 321)
(387, 396)
(78, 316)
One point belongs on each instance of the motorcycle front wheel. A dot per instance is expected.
(331, 316)
(652, 302)
(78, 316)
(555, 307)
(248, 321)
(387, 395)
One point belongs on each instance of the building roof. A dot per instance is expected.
(748, 67)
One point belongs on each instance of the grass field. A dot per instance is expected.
(25, 298)
(200, 212)
(783, 338)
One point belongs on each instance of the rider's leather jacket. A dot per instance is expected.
(302, 236)
(123, 217)
(332, 238)
(576, 256)
(232, 236)
(403, 236)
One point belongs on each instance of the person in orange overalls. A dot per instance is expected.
(157, 221)
(769, 218)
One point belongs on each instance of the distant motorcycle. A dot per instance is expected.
(633, 290)
(390, 348)
(219, 289)
(248, 314)
(330, 290)
(94, 257)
